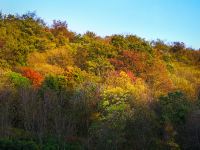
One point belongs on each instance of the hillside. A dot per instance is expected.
(64, 90)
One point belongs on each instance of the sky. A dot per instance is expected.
(168, 20)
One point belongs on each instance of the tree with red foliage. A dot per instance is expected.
(118, 64)
(131, 75)
(135, 61)
(130, 60)
(35, 77)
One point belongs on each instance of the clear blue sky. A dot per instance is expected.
(170, 20)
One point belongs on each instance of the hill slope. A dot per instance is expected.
(60, 89)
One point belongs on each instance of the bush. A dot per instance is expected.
(18, 80)
(174, 107)
(56, 83)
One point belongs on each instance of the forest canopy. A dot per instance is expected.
(64, 90)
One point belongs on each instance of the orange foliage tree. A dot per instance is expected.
(134, 60)
(158, 78)
(35, 77)
(128, 73)
(118, 64)
(130, 60)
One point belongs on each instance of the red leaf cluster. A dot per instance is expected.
(131, 75)
(35, 77)
(117, 63)
(134, 60)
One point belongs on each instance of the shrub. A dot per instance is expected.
(174, 107)
(35, 77)
(18, 80)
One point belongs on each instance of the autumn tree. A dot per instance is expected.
(60, 30)
(35, 77)
(177, 47)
